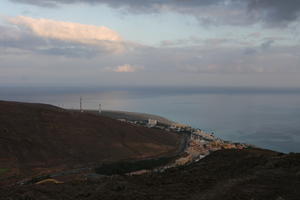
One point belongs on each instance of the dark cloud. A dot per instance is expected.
(234, 12)
(267, 44)
(275, 11)
(43, 3)
(151, 4)
(69, 51)
(250, 51)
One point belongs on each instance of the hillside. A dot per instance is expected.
(248, 174)
(132, 116)
(37, 138)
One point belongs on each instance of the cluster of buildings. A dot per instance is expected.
(202, 144)
(153, 123)
(199, 144)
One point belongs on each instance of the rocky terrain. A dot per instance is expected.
(232, 174)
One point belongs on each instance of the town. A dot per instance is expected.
(197, 144)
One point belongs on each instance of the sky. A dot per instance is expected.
(253, 43)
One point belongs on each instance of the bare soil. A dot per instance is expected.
(39, 139)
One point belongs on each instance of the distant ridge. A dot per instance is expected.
(132, 116)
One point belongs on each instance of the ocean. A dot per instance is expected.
(265, 117)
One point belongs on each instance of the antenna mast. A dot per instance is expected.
(81, 104)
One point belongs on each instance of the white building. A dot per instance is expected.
(152, 122)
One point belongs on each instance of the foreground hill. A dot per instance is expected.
(248, 174)
(37, 138)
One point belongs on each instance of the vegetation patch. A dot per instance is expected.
(124, 167)
(3, 171)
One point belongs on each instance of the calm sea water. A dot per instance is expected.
(268, 118)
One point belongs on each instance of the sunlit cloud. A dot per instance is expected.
(124, 68)
(46, 36)
(86, 34)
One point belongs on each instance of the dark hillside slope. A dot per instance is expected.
(36, 137)
(248, 174)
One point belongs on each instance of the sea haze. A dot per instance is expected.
(265, 117)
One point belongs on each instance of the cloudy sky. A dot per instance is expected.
(150, 43)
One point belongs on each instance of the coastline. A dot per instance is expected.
(205, 164)
(197, 145)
